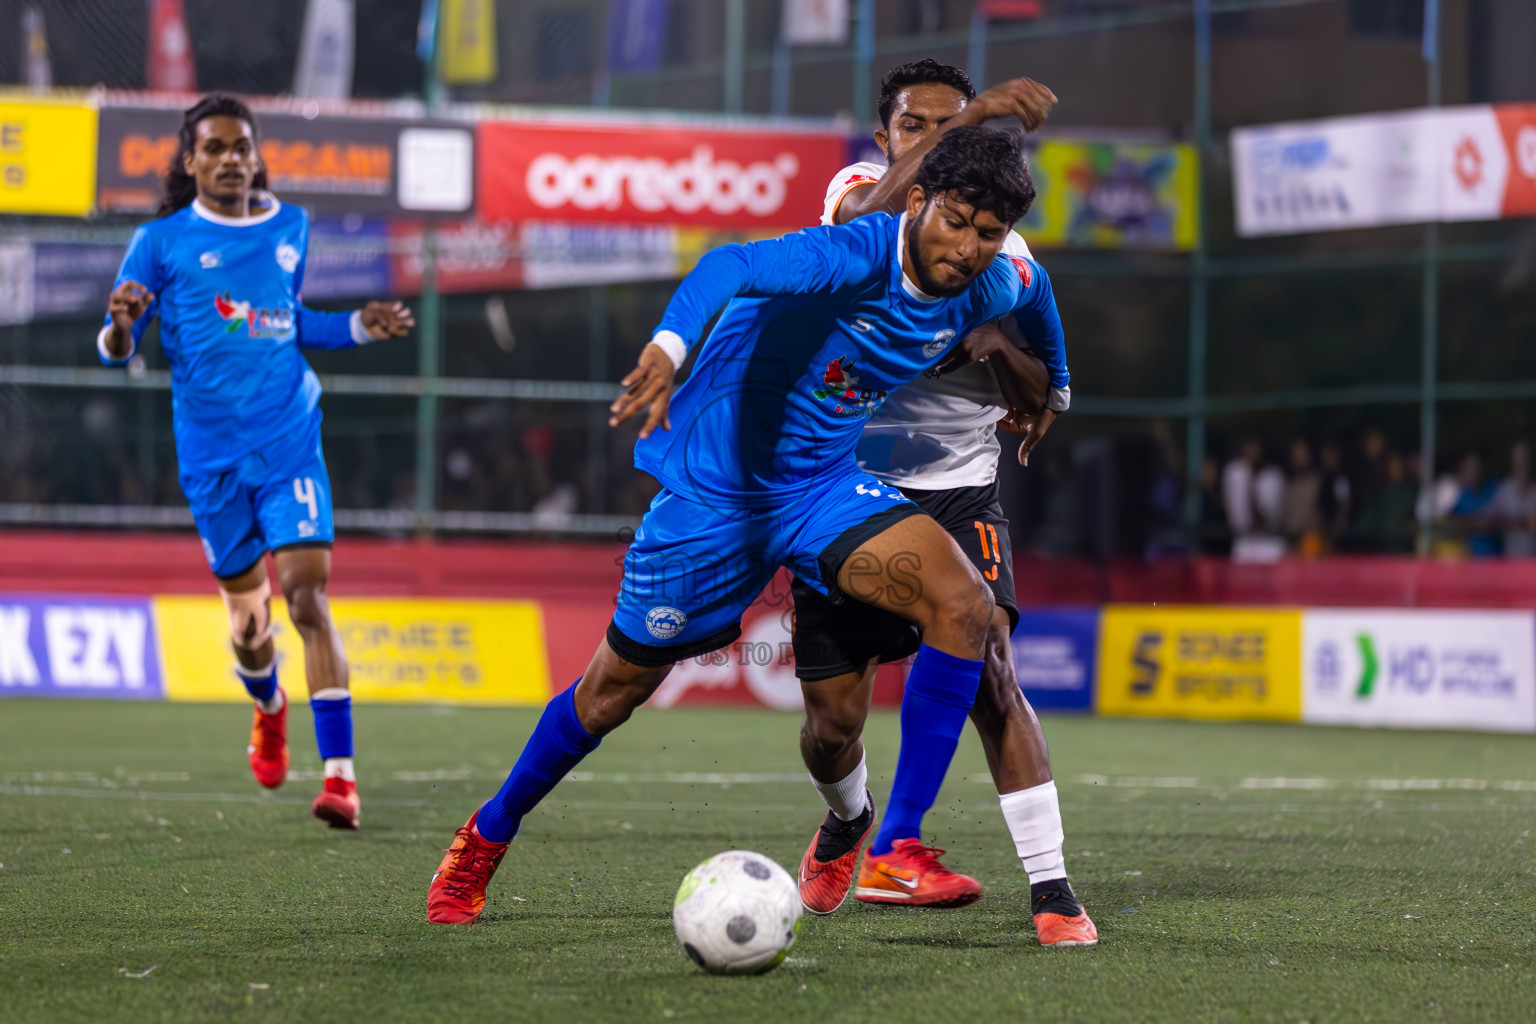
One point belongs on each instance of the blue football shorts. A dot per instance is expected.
(270, 500)
(694, 569)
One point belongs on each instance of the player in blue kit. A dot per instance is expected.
(222, 268)
(756, 461)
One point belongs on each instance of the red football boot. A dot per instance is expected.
(338, 804)
(1060, 920)
(911, 874)
(457, 892)
(826, 870)
(268, 749)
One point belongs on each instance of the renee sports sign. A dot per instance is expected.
(1421, 668)
(654, 174)
(1200, 662)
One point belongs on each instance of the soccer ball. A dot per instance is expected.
(737, 913)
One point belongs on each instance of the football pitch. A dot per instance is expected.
(1236, 872)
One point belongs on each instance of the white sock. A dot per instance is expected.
(339, 768)
(846, 799)
(1034, 821)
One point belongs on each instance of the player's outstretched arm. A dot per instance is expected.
(1037, 317)
(1027, 100)
(376, 321)
(129, 301)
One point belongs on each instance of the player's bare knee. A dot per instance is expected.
(250, 616)
(307, 608)
(963, 611)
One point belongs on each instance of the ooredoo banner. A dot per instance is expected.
(654, 174)
(345, 164)
(1420, 668)
(67, 646)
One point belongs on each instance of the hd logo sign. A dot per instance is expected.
(1198, 662)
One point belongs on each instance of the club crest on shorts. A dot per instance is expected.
(665, 623)
(939, 343)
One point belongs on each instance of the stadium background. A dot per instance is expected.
(473, 461)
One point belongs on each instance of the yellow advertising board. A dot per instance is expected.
(1200, 662)
(401, 651)
(47, 157)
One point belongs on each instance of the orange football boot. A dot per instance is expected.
(911, 874)
(457, 892)
(1060, 920)
(826, 870)
(268, 749)
(338, 804)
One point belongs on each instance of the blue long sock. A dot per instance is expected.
(557, 745)
(333, 723)
(934, 707)
(260, 685)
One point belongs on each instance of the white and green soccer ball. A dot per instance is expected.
(737, 913)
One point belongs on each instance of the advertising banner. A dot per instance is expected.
(348, 258)
(73, 277)
(47, 157)
(1420, 668)
(654, 174)
(1113, 195)
(471, 257)
(1451, 163)
(68, 646)
(400, 651)
(15, 282)
(1200, 662)
(1053, 657)
(346, 164)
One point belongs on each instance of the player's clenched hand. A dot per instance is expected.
(648, 386)
(128, 302)
(1023, 98)
(1032, 427)
(387, 320)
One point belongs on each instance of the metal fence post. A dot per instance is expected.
(735, 64)
(1199, 284)
(864, 61)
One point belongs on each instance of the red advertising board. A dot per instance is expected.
(1517, 122)
(471, 257)
(649, 174)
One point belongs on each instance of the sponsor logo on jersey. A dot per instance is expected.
(1020, 264)
(841, 386)
(939, 343)
(259, 323)
(211, 260)
(287, 258)
(664, 622)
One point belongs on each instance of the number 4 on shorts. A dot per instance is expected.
(304, 494)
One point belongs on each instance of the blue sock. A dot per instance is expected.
(934, 707)
(260, 685)
(332, 709)
(557, 745)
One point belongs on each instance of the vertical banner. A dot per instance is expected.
(68, 646)
(815, 23)
(637, 35)
(469, 42)
(327, 51)
(1054, 650)
(1200, 662)
(1421, 669)
(169, 67)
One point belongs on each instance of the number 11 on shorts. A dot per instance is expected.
(994, 553)
(304, 494)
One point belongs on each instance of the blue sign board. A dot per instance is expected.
(1054, 652)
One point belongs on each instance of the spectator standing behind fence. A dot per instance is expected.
(1513, 509)
(1467, 518)
(1254, 498)
(1299, 513)
(1335, 494)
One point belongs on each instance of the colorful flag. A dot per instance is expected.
(1011, 10)
(426, 31)
(637, 35)
(469, 41)
(39, 70)
(815, 22)
(170, 67)
(327, 51)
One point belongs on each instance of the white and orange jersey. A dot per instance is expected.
(935, 433)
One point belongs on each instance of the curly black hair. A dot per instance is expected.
(920, 72)
(983, 166)
(180, 188)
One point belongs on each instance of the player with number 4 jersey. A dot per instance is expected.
(222, 268)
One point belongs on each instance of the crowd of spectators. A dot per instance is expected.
(1320, 499)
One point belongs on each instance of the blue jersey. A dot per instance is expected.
(819, 327)
(227, 294)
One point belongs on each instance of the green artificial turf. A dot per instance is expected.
(1236, 872)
